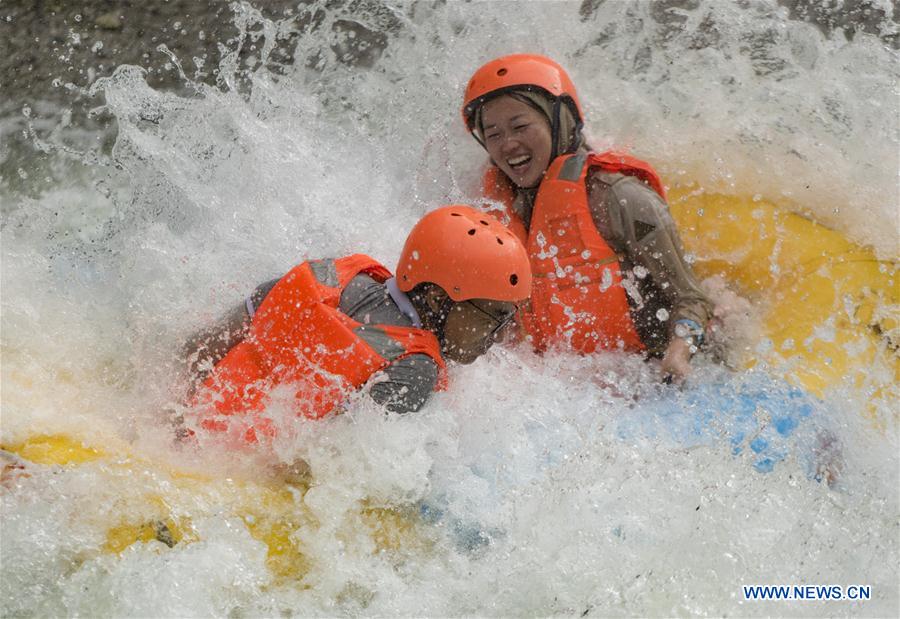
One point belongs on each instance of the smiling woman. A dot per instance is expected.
(606, 255)
(518, 138)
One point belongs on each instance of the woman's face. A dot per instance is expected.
(517, 138)
(472, 327)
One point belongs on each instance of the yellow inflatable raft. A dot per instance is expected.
(161, 505)
(830, 307)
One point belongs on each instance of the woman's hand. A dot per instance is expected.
(676, 363)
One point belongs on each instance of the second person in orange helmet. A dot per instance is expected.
(328, 327)
(608, 265)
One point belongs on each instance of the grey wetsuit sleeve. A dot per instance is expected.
(206, 348)
(259, 295)
(406, 384)
(209, 346)
(632, 217)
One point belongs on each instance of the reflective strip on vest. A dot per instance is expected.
(571, 169)
(381, 342)
(325, 271)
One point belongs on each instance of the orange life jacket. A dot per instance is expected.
(299, 340)
(577, 295)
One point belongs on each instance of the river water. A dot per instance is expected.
(530, 498)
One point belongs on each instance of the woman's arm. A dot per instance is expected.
(638, 222)
(652, 241)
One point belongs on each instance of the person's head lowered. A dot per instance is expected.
(465, 273)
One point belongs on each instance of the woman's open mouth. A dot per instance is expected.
(519, 164)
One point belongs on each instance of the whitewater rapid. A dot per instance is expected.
(111, 258)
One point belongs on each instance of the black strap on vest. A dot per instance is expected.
(554, 129)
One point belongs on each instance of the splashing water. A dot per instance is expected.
(563, 496)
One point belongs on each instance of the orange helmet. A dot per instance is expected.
(516, 71)
(466, 252)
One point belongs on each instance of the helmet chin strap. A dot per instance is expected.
(554, 130)
(433, 320)
(443, 315)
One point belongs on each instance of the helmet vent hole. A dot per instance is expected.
(472, 232)
(513, 279)
(499, 240)
(484, 223)
(501, 72)
(455, 215)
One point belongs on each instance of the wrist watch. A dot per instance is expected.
(691, 332)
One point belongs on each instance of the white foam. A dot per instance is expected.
(544, 509)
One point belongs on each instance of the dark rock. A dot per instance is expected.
(109, 21)
(76, 42)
